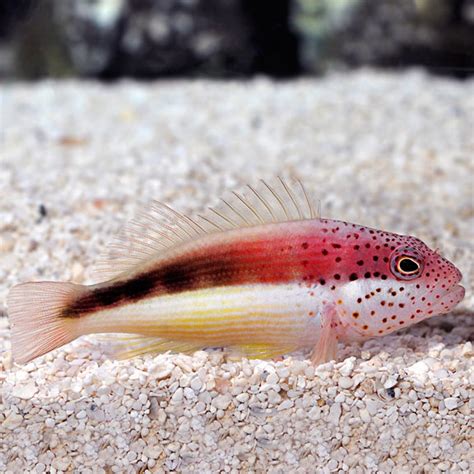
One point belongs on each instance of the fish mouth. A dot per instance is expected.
(451, 298)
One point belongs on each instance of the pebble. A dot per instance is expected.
(364, 415)
(12, 421)
(334, 413)
(391, 381)
(242, 397)
(196, 384)
(372, 406)
(25, 392)
(177, 396)
(345, 382)
(221, 402)
(451, 403)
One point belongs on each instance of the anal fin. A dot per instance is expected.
(261, 351)
(123, 347)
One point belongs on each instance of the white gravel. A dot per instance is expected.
(392, 151)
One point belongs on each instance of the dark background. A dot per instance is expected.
(147, 39)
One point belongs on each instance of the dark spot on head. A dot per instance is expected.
(355, 315)
(337, 276)
(367, 275)
(360, 263)
(322, 281)
(336, 246)
(353, 276)
(304, 245)
(324, 252)
(338, 259)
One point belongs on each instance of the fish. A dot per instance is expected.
(261, 274)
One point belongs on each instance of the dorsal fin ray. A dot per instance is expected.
(159, 227)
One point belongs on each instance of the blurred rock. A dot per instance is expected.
(149, 38)
(225, 38)
(438, 34)
(152, 38)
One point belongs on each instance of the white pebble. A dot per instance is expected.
(25, 392)
(391, 381)
(221, 402)
(334, 413)
(242, 397)
(177, 396)
(345, 382)
(196, 384)
(451, 403)
(373, 406)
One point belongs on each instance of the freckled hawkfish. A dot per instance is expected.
(260, 274)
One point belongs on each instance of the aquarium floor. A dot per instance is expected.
(77, 159)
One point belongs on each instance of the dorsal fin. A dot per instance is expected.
(159, 227)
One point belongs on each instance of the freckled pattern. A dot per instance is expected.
(360, 264)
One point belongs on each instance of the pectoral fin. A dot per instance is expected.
(326, 347)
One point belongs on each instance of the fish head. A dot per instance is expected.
(403, 283)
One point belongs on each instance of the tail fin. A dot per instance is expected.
(35, 312)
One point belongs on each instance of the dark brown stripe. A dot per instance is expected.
(227, 266)
(172, 278)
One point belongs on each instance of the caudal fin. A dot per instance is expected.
(35, 312)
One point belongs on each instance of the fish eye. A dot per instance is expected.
(406, 267)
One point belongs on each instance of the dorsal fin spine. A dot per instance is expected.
(263, 201)
(292, 197)
(245, 203)
(235, 211)
(225, 218)
(308, 201)
(285, 210)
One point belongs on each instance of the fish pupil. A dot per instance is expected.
(408, 265)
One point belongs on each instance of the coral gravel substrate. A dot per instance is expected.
(78, 159)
